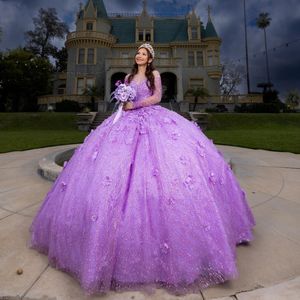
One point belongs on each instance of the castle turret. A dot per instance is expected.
(213, 43)
(87, 48)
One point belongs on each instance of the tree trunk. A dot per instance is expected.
(195, 104)
(267, 59)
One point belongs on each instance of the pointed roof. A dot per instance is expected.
(101, 10)
(210, 30)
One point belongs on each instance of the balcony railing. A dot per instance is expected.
(231, 99)
(91, 35)
(51, 99)
(215, 68)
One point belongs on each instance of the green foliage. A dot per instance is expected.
(198, 93)
(292, 100)
(67, 106)
(23, 78)
(271, 96)
(259, 108)
(61, 59)
(263, 20)
(47, 27)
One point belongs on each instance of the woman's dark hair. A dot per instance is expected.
(149, 72)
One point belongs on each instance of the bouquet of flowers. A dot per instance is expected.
(122, 94)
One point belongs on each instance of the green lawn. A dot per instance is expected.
(277, 132)
(22, 131)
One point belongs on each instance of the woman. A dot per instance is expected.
(146, 201)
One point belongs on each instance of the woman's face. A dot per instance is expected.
(142, 57)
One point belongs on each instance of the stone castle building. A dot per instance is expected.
(101, 51)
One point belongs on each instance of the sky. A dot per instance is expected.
(283, 34)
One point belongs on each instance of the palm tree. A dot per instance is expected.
(93, 92)
(262, 22)
(198, 93)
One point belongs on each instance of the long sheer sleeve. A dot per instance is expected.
(156, 97)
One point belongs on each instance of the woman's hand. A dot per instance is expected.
(128, 105)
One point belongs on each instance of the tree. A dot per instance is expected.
(23, 77)
(232, 77)
(262, 22)
(293, 99)
(61, 59)
(198, 93)
(93, 91)
(47, 26)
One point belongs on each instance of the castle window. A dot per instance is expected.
(148, 36)
(210, 57)
(217, 57)
(91, 56)
(89, 26)
(199, 58)
(81, 54)
(124, 55)
(90, 82)
(194, 31)
(141, 35)
(61, 89)
(164, 54)
(80, 86)
(191, 59)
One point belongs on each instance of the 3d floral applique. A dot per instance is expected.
(188, 182)
(63, 186)
(222, 180)
(212, 177)
(94, 218)
(175, 135)
(95, 154)
(183, 160)
(142, 129)
(201, 151)
(155, 172)
(171, 201)
(206, 227)
(165, 248)
(107, 181)
(167, 120)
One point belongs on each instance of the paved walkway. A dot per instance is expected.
(269, 267)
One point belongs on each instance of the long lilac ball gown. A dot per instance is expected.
(147, 201)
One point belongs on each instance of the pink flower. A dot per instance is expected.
(123, 93)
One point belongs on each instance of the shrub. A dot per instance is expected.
(67, 106)
(258, 108)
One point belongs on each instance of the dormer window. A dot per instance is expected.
(89, 26)
(144, 35)
(141, 35)
(148, 36)
(194, 32)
